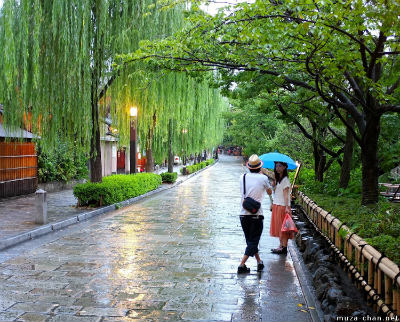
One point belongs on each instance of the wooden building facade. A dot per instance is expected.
(18, 162)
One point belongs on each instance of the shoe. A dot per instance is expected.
(279, 250)
(260, 266)
(243, 269)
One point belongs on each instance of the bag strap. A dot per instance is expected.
(244, 184)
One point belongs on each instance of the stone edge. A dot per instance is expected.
(48, 228)
(305, 284)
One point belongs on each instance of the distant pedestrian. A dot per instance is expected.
(280, 206)
(253, 185)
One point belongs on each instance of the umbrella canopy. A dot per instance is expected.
(268, 160)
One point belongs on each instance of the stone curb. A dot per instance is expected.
(48, 228)
(305, 284)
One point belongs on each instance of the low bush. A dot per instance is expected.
(379, 225)
(169, 177)
(62, 163)
(115, 188)
(196, 167)
(209, 161)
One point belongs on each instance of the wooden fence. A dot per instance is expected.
(372, 271)
(18, 168)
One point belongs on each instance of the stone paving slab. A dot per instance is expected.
(171, 257)
(17, 214)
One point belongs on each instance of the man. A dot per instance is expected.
(253, 185)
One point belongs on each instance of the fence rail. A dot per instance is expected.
(376, 274)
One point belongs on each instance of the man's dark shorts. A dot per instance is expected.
(252, 226)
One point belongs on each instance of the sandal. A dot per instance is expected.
(279, 250)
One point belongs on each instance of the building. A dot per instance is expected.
(18, 161)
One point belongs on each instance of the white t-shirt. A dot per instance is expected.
(256, 185)
(278, 195)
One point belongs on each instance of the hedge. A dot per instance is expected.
(196, 167)
(115, 188)
(169, 177)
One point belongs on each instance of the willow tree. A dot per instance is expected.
(345, 52)
(169, 103)
(57, 58)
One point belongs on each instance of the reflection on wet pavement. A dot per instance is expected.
(171, 257)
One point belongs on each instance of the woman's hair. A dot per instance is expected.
(255, 170)
(284, 174)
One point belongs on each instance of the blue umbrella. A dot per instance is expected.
(268, 160)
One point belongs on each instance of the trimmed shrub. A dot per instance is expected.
(116, 188)
(169, 177)
(196, 167)
(209, 161)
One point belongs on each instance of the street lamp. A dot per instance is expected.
(133, 148)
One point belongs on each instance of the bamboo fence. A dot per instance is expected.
(371, 270)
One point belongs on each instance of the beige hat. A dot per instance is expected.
(254, 162)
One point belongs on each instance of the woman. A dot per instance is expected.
(280, 206)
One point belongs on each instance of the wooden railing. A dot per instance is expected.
(376, 274)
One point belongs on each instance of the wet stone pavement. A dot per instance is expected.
(169, 257)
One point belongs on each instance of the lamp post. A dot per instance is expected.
(133, 148)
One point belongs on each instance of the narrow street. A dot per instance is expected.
(170, 257)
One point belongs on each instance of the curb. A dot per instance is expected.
(48, 228)
(305, 284)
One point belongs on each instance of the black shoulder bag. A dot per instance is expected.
(249, 203)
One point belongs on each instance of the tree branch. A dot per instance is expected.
(348, 126)
(304, 131)
(393, 87)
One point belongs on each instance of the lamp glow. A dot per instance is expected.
(133, 111)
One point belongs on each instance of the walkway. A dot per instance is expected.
(170, 257)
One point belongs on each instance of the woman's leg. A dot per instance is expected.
(283, 240)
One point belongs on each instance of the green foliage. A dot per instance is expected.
(209, 161)
(169, 177)
(57, 59)
(379, 225)
(115, 188)
(389, 145)
(330, 186)
(333, 61)
(63, 163)
(196, 167)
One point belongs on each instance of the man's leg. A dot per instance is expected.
(244, 259)
(244, 221)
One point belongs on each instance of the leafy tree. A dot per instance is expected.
(345, 52)
(57, 69)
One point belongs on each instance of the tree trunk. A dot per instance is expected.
(96, 174)
(321, 167)
(95, 149)
(319, 164)
(170, 152)
(347, 156)
(149, 152)
(149, 149)
(369, 160)
(149, 160)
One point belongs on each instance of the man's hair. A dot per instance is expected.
(255, 170)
